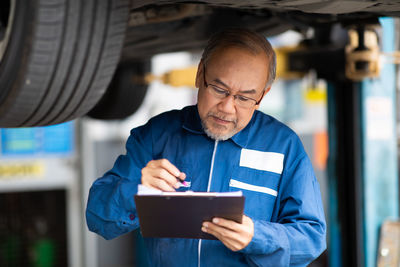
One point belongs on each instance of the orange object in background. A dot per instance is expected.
(321, 149)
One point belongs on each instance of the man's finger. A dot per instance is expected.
(164, 169)
(172, 170)
(234, 226)
(161, 185)
(234, 235)
(165, 175)
(226, 223)
(227, 237)
(165, 164)
(220, 230)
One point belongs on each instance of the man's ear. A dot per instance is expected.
(264, 94)
(266, 91)
(199, 74)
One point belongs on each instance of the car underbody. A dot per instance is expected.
(168, 26)
(58, 58)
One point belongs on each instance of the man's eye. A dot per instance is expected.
(242, 98)
(219, 90)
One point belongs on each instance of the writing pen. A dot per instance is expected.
(181, 182)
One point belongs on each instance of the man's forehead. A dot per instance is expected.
(237, 62)
(237, 58)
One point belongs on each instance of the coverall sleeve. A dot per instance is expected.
(111, 210)
(299, 234)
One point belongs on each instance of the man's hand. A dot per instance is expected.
(234, 235)
(162, 175)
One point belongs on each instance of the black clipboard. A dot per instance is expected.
(181, 216)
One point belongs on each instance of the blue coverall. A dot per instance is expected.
(265, 160)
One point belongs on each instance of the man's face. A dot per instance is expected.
(238, 72)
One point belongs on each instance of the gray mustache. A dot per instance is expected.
(222, 117)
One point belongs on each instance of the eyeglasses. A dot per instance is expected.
(240, 100)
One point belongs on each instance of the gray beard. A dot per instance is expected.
(215, 136)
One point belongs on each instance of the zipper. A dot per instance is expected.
(208, 190)
(212, 166)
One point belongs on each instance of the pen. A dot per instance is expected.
(180, 177)
(181, 183)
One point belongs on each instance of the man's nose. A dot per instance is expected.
(227, 104)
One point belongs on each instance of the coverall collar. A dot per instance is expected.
(192, 123)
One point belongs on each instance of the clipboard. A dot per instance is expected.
(180, 215)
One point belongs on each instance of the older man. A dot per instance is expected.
(221, 144)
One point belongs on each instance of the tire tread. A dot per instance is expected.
(73, 56)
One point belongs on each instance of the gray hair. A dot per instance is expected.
(246, 39)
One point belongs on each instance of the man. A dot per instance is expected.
(221, 144)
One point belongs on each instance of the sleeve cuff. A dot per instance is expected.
(265, 239)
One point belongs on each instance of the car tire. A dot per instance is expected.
(58, 58)
(125, 93)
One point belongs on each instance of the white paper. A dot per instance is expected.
(147, 191)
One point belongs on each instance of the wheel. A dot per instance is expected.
(57, 57)
(125, 94)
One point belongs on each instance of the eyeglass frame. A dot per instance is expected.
(227, 93)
